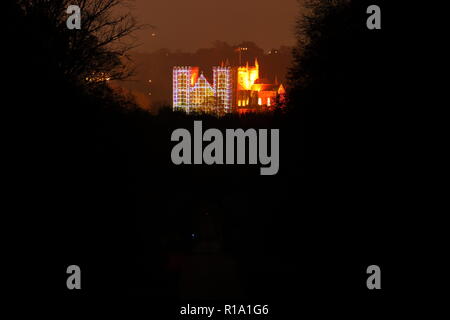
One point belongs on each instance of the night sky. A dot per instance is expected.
(192, 24)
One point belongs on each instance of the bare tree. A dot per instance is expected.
(99, 51)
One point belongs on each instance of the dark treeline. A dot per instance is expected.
(94, 171)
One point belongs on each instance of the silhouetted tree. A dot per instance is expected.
(340, 79)
(98, 51)
(336, 54)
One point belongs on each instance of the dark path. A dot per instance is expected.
(210, 276)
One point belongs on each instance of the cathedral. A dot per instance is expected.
(232, 89)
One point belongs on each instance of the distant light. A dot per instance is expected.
(150, 81)
(193, 235)
(153, 34)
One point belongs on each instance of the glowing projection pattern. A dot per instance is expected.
(202, 94)
(223, 86)
(183, 79)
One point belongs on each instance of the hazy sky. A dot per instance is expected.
(193, 24)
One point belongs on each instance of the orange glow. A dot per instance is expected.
(281, 90)
(194, 76)
(257, 87)
(247, 76)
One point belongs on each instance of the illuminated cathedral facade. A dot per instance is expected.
(232, 88)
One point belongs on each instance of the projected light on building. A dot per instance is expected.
(183, 80)
(233, 88)
(202, 94)
(223, 85)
